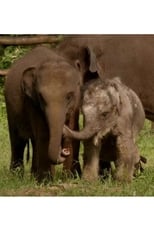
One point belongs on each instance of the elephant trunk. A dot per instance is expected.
(86, 133)
(56, 120)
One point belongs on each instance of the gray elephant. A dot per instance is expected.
(42, 92)
(114, 112)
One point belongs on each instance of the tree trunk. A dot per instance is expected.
(3, 72)
(29, 40)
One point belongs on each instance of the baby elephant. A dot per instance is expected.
(113, 114)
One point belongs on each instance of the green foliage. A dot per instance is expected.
(11, 53)
(64, 186)
(7, 57)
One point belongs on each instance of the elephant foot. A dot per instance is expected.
(104, 169)
(17, 169)
(76, 168)
(90, 174)
(123, 174)
(43, 178)
(71, 168)
(43, 175)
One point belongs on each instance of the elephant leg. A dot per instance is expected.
(107, 155)
(76, 167)
(127, 158)
(41, 166)
(104, 168)
(72, 163)
(17, 152)
(67, 165)
(34, 158)
(91, 161)
(41, 161)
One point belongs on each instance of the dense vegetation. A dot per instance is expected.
(14, 185)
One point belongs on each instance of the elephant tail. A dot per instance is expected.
(28, 152)
(143, 159)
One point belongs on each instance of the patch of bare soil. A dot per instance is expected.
(53, 190)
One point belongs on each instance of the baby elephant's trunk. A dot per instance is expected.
(85, 133)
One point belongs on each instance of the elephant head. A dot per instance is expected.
(84, 57)
(101, 109)
(54, 88)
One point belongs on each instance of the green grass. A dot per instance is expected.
(12, 185)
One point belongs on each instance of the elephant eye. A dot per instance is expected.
(69, 96)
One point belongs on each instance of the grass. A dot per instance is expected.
(12, 185)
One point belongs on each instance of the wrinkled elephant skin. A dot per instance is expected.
(114, 110)
(128, 56)
(42, 92)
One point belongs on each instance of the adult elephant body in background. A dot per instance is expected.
(131, 57)
(42, 92)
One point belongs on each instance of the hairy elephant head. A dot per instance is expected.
(101, 109)
(54, 88)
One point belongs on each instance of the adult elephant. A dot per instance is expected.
(42, 92)
(130, 57)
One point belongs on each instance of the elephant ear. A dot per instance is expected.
(88, 65)
(87, 60)
(91, 60)
(28, 81)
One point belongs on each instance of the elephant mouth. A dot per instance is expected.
(65, 149)
(65, 152)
